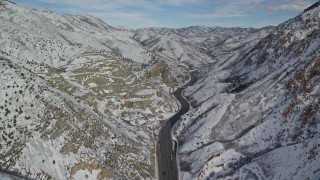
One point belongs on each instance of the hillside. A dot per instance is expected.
(75, 100)
(256, 116)
(198, 46)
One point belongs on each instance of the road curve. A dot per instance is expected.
(166, 153)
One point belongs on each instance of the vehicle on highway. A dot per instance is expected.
(174, 145)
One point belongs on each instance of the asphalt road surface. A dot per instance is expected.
(166, 150)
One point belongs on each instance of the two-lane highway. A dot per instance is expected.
(166, 152)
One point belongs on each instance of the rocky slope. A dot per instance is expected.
(76, 97)
(257, 116)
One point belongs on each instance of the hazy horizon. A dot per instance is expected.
(179, 13)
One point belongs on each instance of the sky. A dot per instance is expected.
(179, 13)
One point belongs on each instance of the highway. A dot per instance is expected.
(166, 153)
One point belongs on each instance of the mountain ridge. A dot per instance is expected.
(258, 114)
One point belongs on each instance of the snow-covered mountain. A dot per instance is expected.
(78, 97)
(198, 46)
(257, 116)
(82, 99)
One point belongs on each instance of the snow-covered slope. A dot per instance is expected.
(197, 46)
(76, 97)
(194, 47)
(257, 116)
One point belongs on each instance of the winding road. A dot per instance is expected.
(167, 164)
(166, 154)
